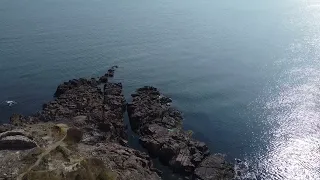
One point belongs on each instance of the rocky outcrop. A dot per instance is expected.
(214, 167)
(97, 110)
(110, 73)
(79, 135)
(130, 163)
(160, 129)
(61, 154)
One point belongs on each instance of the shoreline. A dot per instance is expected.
(98, 115)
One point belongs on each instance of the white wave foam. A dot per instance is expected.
(243, 171)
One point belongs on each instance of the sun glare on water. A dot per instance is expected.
(293, 152)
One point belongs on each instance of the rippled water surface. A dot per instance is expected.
(293, 106)
(246, 73)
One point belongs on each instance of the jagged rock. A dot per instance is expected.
(214, 167)
(6, 127)
(183, 161)
(110, 73)
(59, 159)
(130, 164)
(80, 121)
(165, 100)
(103, 79)
(161, 133)
(94, 82)
(152, 145)
(16, 120)
(76, 136)
(160, 130)
(88, 107)
(80, 134)
(62, 88)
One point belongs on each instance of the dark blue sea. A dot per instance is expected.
(246, 74)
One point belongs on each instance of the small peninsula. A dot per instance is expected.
(82, 135)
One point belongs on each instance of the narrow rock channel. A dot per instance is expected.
(86, 125)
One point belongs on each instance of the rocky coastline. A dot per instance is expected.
(81, 134)
(161, 133)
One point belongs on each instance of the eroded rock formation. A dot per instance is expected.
(79, 135)
(160, 129)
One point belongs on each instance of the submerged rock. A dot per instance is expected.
(109, 74)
